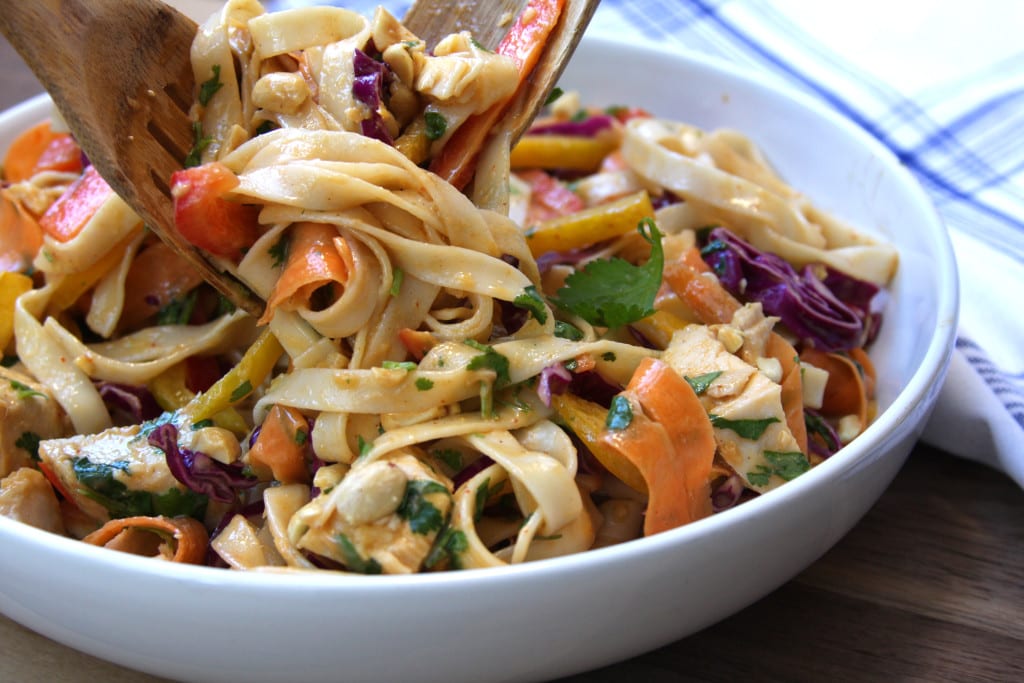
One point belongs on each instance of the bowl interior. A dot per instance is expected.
(829, 159)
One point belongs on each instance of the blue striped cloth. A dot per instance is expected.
(942, 86)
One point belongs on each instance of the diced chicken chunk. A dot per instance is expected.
(741, 399)
(26, 495)
(118, 461)
(382, 516)
(28, 414)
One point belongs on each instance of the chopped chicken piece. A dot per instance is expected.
(746, 409)
(383, 516)
(26, 495)
(28, 414)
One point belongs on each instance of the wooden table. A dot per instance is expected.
(928, 587)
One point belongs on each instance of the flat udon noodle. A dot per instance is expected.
(405, 217)
(49, 362)
(673, 156)
(380, 390)
(139, 357)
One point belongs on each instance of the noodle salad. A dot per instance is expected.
(620, 325)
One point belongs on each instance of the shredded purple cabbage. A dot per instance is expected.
(198, 471)
(585, 128)
(727, 494)
(368, 89)
(137, 402)
(822, 438)
(471, 470)
(554, 379)
(810, 307)
(593, 387)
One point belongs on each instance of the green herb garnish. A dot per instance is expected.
(178, 311)
(241, 391)
(209, 87)
(29, 441)
(556, 92)
(396, 281)
(613, 292)
(353, 560)
(24, 391)
(423, 516)
(532, 301)
(279, 252)
(700, 383)
(436, 125)
(748, 429)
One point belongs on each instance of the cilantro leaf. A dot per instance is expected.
(200, 143)
(450, 457)
(614, 292)
(450, 544)
(489, 360)
(787, 464)
(531, 301)
(748, 429)
(178, 311)
(279, 251)
(99, 484)
(555, 93)
(353, 560)
(423, 516)
(209, 87)
(406, 365)
(700, 383)
(396, 281)
(436, 125)
(29, 441)
(241, 391)
(568, 331)
(24, 391)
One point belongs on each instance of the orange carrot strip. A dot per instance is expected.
(178, 539)
(62, 154)
(672, 444)
(20, 237)
(157, 276)
(524, 43)
(23, 154)
(669, 399)
(845, 393)
(792, 387)
(703, 294)
(317, 256)
(68, 215)
(281, 446)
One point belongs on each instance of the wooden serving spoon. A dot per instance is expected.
(119, 72)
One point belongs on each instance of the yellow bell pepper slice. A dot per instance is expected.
(659, 327)
(12, 285)
(586, 419)
(171, 392)
(564, 152)
(239, 381)
(591, 225)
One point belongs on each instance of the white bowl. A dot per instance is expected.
(561, 616)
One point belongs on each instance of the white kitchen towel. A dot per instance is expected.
(942, 85)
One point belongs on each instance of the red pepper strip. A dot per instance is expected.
(68, 215)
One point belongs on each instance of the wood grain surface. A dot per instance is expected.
(929, 586)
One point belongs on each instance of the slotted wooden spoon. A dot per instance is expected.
(119, 73)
